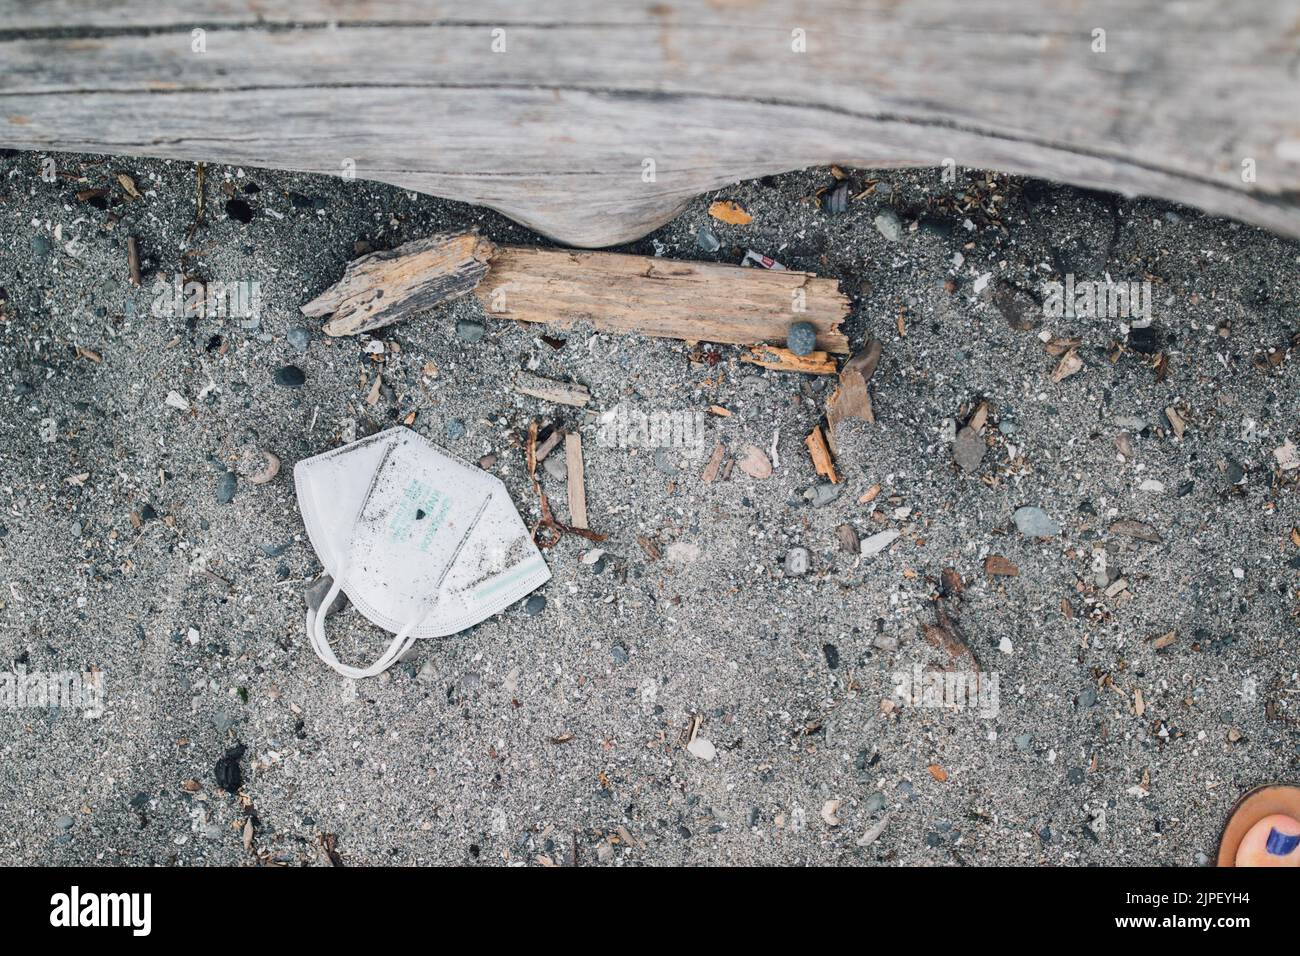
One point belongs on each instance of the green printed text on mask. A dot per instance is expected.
(419, 515)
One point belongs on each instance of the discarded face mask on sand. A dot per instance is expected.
(422, 544)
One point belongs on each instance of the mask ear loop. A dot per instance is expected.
(402, 642)
(399, 645)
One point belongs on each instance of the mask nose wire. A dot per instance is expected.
(404, 638)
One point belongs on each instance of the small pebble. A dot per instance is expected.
(290, 376)
(890, 226)
(702, 749)
(315, 594)
(664, 462)
(823, 494)
(836, 201)
(455, 429)
(753, 461)
(878, 542)
(535, 605)
(802, 338)
(1035, 523)
(470, 331)
(229, 775)
(299, 337)
(619, 653)
(554, 467)
(227, 484)
(968, 449)
(796, 562)
(706, 240)
(239, 210)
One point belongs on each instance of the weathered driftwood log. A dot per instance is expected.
(693, 301)
(595, 121)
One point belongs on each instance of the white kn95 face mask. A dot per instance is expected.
(422, 544)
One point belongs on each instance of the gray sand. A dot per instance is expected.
(562, 736)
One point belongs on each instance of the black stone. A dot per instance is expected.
(230, 777)
(290, 376)
(239, 210)
(1147, 340)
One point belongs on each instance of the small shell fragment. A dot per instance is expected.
(270, 469)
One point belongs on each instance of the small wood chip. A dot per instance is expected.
(576, 481)
(730, 212)
(1164, 640)
(715, 462)
(1069, 365)
(1059, 345)
(783, 360)
(128, 184)
(1175, 421)
(1136, 529)
(938, 773)
(562, 393)
(552, 440)
(849, 542)
(995, 565)
(821, 455)
(852, 399)
(133, 260)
